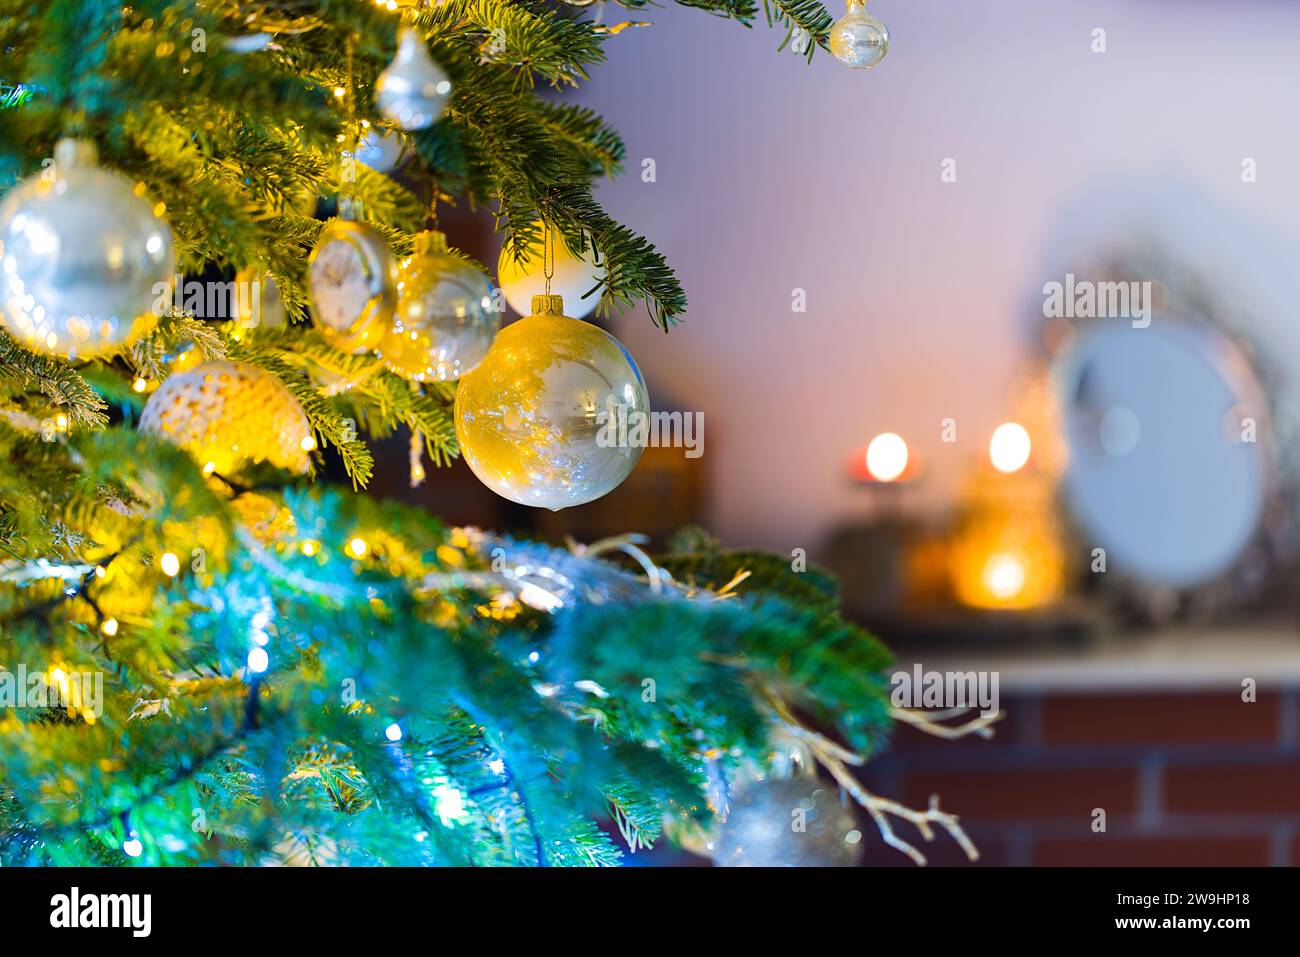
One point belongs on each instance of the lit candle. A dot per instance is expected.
(886, 460)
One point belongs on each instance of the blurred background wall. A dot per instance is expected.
(923, 297)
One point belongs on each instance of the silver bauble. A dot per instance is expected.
(445, 320)
(859, 40)
(381, 151)
(556, 414)
(413, 91)
(789, 823)
(86, 261)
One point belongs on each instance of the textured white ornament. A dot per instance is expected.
(572, 278)
(859, 40)
(227, 414)
(413, 91)
(84, 258)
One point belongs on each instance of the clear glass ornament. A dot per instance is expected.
(413, 91)
(859, 40)
(556, 414)
(445, 321)
(572, 277)
(788, 823)
(86, 261)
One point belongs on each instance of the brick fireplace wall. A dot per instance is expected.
(1185, 778)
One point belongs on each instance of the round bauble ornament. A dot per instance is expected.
(230, 414)
(793, 823)
(84, 257)
(445, 320)
(380, 150)
(413, 91)
(257, 301)
(857, 39)
(556, 413)
(572, 277)
(352, 284)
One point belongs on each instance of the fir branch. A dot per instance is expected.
(808, 16)
(55, 380)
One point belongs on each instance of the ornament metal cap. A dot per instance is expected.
(427, 242)
(548, 305)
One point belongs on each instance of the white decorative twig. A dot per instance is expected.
(837, 759)
(931, 722)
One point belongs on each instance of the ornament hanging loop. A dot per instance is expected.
(548, 255)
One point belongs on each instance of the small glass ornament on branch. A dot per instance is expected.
(414, 90)
(859, 40)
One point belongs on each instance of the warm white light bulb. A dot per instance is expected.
(887, 457)
(1010, 447)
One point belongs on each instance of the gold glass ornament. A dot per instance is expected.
(859, 40)
(352, 284)
(572, 277)
(550, 417)
(445, 321)
(413, 91)
(229, 414)
(84, 258)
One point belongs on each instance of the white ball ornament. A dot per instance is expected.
(572, 277)
(84, 258)
(413, 91)
(859, 40)
(554, 415)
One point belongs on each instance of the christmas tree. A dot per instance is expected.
(211, 653)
